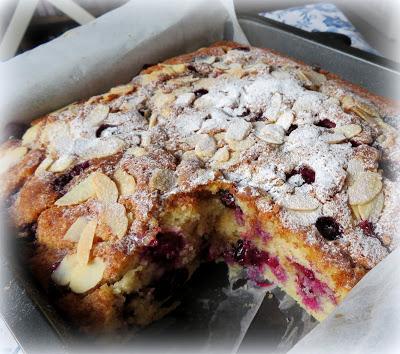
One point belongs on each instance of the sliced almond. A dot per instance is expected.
(125, 182)
(97, 115)
(104, 188)
(221, 155)
(136, 151)
(30, 135)
(79, 193)
(286, 119)
(62, 274)
(162, 179)
(153, 120)
(334, 138)
(316, 79)
(44, 165)
(372, 210)
(349, 130)
(300, 202)
(76, 229)
(205, 146)
(273, 107)
(62, 163)
(207, 59)
(114, 215)
(241, 145)
(86, 277)
(272, 133)
(356, 212)
(85, 242)
(365, 187)
(12, 157)
(238, 130)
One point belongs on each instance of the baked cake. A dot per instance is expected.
(230, 153)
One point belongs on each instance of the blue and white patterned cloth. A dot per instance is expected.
(323, 17)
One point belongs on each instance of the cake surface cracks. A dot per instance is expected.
(230, 153)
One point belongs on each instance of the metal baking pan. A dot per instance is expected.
(34, 322)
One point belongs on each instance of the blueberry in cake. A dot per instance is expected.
(229, 153)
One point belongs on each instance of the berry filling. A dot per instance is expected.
(246, 254)
(367, 227)
(165, 248)
(101, 128)
(325, 123)
(60, 182)
(328, 228)
(200, 92)
(310, 288)
(227, 199)
(239, 216)
(307, 174)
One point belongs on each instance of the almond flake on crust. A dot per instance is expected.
(238, 130)
(97, 115)
(76, 229)
(365, 187)
(86, 277)
(114, 215)
(11, 158)
(125, 182)
(104, 187)
(85, 242)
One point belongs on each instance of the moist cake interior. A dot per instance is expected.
(230, 153)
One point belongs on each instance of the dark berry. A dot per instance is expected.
(165, 248)
(259, 117)
(61, 181)
(367, 227)
(102, 128)
(170, 283)
(308, 174)
(291, 128)
(354, 143)
(291, 173)
(246, 254)
(227, 199)
(328, 228)
(325, 123)
(245, 113)
(200, 92)
(192, 68)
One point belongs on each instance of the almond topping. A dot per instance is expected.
(86, 277)
(114, 215)
(272, 133)
(62, 275)
(221, 155)
(372, 210)
(85, 242)
(62, 163)
(104, 188)
(11, 158)
(44, 165)
(349, 130)
(97, 115)
(334, 138)
(274, 107)
(162, 179)
(79, 193)
(30, 135)
(125, 182)
(206, 146)
(365, 187)
(136, 151)
(238, 130)
(286, 119)
(76, 229)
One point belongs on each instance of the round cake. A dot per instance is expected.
(230, 153)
